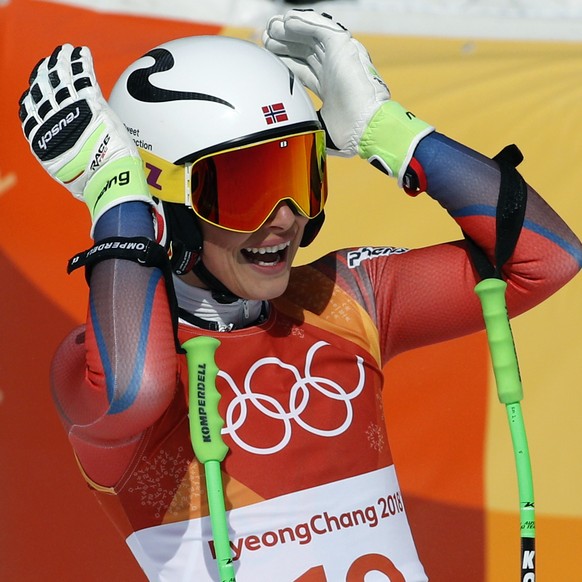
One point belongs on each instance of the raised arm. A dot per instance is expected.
(114, 378)
(425, 295)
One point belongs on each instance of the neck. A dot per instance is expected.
(203, 306)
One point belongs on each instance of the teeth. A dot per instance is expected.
(263, 250)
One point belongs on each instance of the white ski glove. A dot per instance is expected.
(357, 111)
(76, 136)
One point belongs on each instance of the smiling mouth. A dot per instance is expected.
(266, 256)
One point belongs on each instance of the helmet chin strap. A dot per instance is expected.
(219, 290)
(185, 249)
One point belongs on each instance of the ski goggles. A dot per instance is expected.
(238, 189)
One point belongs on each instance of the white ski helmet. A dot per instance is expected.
(199, 95)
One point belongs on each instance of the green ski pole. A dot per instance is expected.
(509, 220)
(491, 292)
(209, 448)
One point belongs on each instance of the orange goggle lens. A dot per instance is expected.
(238, 189)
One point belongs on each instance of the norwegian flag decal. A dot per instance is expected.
(274, 113)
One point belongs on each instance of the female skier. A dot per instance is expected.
(204, 174)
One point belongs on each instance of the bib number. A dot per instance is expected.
(358, 570)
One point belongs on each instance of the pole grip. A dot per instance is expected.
(205, 420)
(491, 292)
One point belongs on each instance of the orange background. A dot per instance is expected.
(447, 430)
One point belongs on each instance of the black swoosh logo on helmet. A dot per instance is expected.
(140, 87)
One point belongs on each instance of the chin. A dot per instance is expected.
(266, 290)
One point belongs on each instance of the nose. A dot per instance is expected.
(282, 217)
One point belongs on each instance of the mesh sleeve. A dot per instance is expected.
(116, 376)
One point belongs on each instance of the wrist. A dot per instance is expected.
(129, 219)
(391, 138)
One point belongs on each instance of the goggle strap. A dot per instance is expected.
(188, 184)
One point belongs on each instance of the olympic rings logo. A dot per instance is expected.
(299, 397)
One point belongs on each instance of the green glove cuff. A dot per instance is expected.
(118, 181)
(391, 138)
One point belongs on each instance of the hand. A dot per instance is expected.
(76, 136)
(357, 111)
(335, 66)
